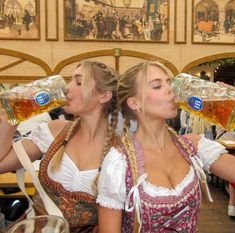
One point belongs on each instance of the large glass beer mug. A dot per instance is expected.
(41, 224)
(25, 101)
(206, 99)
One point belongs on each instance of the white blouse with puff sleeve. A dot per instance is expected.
(68, 175)
(111, 184)
(112, 187)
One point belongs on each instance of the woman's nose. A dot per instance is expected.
(66, 90)
(169, 89)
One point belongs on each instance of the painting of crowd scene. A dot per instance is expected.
(214, 21)
(19, 19)
(117, 20)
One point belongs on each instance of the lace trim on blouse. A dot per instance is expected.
(154, 190)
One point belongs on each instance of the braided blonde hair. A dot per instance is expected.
(179, 139)
(105, 80)
(109, 83)
(127, 87)
(107, 145)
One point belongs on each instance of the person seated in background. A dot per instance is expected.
(204, 76)
(184, 123)
(200, 126)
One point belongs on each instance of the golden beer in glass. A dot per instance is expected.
(205, 99)
(25, 101)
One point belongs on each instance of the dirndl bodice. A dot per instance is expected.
(79, 208)
(173, 213)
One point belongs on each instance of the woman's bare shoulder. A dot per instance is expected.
(56, 126)
(194, 138)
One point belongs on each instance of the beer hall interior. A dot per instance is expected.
(40, 38)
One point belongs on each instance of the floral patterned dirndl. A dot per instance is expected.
(79, 208)
(173, 213)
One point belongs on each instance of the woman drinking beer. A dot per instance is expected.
(151, 182)
(71, 165)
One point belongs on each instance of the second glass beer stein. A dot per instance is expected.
(25, 101)
(206, 99)
(41, 224)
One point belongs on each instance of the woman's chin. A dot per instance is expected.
(174, 114)
(67, 110)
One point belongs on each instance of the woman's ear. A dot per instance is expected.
(105, 97)
(133, 104)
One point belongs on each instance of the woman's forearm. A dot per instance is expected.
(224, 167)
(110, 220)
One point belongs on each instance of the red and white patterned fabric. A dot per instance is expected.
(158, 209)
(171, 213)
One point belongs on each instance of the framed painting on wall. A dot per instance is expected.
(117, 20)
(19, 19)
(213, 23)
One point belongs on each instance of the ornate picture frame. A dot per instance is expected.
(112, 20)
(213, 23)
(20, 20)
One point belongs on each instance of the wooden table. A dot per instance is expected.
(229, 144)
(8, 180)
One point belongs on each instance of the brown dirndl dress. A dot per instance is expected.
(79, 208)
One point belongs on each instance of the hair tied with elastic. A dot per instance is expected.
(65, 142)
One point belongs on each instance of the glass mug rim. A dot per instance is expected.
(27, 100)
(46, 217)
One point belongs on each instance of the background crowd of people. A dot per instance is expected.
(116, 26)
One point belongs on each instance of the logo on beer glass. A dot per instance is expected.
(42, 98)
(195, 103)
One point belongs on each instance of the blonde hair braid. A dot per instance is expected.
(128, 145)
(107, 145)
(180, 140)
(108, 82)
